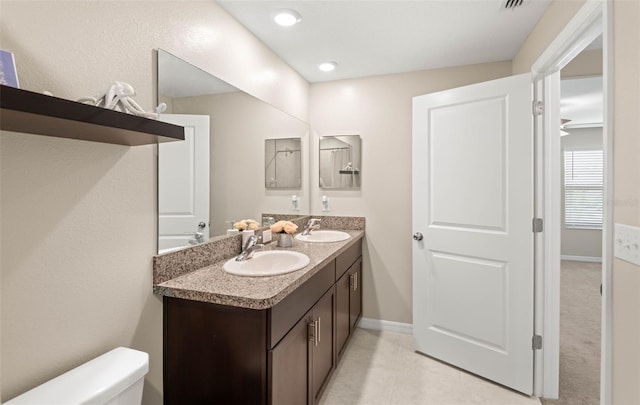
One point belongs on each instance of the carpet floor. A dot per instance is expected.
(580, 304)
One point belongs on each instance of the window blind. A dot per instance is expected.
(583, 188)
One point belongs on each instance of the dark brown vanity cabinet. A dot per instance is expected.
(213, 354)
(284, 355)
(349, 304)
(301, 364)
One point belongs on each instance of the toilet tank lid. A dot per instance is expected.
(95, 381)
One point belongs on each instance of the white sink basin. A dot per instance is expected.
(268, 263)
(323, 236)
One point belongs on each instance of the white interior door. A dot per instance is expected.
(183, 183)
(473, 204)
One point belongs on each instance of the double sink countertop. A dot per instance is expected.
(214, 285)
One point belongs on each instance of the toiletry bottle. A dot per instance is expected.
(231, 230)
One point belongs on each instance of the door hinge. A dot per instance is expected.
(538, 108)
(536, 342)
(538, 225)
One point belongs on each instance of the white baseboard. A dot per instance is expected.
(378, 324)
(591, 259)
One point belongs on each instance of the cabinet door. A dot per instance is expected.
(214, 354)
(355, 296)
(289, 366)
(343, 314)
(323, 355)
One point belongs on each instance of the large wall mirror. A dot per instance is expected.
(217, 174)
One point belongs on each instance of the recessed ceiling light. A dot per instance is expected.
(286, 17)
(327, 66)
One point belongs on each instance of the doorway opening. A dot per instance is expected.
(591, 21)
(581, 221)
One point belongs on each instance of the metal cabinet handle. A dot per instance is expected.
(314, 332)
(418, 236)
(319, 330)
(356, 274)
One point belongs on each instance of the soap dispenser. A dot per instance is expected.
(231, 230)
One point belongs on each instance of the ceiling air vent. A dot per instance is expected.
(513, 3)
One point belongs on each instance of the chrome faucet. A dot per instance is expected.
(312, 225)
(268, 221)
(249, 247)
(198, 238)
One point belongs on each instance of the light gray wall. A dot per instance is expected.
(580, 242)
(626, 199)
(78, 219)
(587, 63)
(379, 110)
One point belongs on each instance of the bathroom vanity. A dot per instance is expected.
(261, 340)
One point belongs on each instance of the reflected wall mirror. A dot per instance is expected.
(282, 163)
(340, 161)
(216, 174)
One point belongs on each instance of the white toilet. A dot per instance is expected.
(115, 378)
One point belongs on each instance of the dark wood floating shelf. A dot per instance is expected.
(35, 113)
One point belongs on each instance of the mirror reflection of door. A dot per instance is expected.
(283, 163)
(183, 185)
(340, 161)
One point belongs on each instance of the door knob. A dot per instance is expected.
(202, 225)
(417, 236)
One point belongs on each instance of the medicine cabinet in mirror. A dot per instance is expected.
(340, 161)
(216, 175)
(282, 163)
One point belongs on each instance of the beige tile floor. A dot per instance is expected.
(381, 368)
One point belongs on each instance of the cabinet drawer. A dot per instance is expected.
(287, 312)
(347, 258)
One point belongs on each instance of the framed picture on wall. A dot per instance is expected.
(8, 74)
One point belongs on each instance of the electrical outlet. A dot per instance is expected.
(295, 203)
(626, 243)
(325, 204)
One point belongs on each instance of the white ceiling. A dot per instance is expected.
(369, 38)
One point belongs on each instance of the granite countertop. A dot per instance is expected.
(213, 284)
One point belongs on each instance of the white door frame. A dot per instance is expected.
(593, 18)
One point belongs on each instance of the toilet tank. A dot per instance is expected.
(116, 377)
